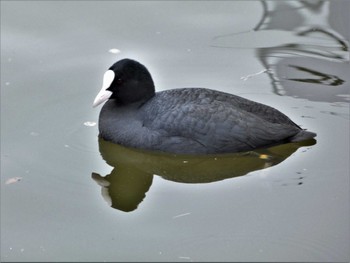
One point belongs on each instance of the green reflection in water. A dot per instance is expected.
(126, 186)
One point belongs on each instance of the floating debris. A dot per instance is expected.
(90, 123)
(186, 258)
(181, 215)
(13, 180)
(114, 51)
(244, 78)
(264, 156)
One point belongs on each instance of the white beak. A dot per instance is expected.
(104, 94)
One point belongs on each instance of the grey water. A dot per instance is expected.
(68, 196)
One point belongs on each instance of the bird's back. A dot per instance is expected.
(213, 121)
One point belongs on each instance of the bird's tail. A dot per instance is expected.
(302, 136)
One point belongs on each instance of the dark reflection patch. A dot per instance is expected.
(319, 77)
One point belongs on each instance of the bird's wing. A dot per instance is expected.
(219, 127)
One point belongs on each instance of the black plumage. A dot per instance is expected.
(188, 120)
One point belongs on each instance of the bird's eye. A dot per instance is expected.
(119, 80)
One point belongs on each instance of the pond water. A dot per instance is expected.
(66, 196)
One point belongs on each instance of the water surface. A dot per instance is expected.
(66, 196)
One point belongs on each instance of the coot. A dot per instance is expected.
(186, 120)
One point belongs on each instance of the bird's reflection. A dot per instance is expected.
(126, 186)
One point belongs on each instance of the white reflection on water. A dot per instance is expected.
(301, 58)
